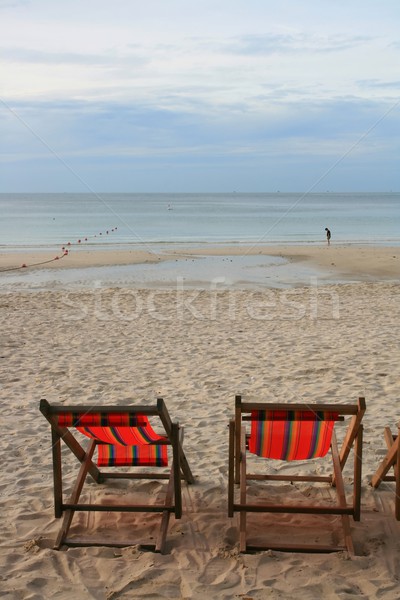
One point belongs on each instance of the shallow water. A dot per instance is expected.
(205, 272)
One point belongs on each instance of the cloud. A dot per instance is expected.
(34, 56)
(379, 84)
(13, 3)
(274, 43)
(122, 131)
(151, 84)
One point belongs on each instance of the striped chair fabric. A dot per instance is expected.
(291, 435)
(123, 439)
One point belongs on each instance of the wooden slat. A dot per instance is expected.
(117, 507)
(316, 478)
(341, 409)
(249, 418)
(82, 409)
(390, 440)
(306, 548)
(107, 475)
(305, 509)
(388, 462)
(352, 432)
(79, 542)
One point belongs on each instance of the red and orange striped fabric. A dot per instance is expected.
(112, 455)
(123, 439)
(101, 419)
(291, 435)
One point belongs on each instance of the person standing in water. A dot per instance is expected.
(328, 236)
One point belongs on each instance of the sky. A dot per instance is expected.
(199, 95)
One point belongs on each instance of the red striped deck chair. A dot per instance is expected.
(121, 436)
(392, 459)
(292, 432)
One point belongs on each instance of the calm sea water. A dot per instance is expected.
(44, 220)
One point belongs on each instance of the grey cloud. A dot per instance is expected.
(81, 125)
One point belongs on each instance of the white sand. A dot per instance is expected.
(197, 350)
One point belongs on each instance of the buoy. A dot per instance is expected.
(64, 251)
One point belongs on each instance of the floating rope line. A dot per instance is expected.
(64, 249)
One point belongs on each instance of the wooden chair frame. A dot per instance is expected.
(238, 444)
(392, 459)
(179, 469)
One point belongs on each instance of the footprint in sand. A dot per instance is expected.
(219, 572)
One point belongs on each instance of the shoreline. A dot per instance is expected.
(347, 262)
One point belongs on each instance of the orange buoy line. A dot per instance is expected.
(63, 255)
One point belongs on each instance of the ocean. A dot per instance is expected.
(162, 222)
(38, 221)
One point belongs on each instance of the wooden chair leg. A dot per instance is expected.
(174, 489)
(358, 444)
(243, 493)
(341, 495)
(76, 492)
(176, 470)
(162, 535)
(238, 426)
(57, 473)
(231, 469)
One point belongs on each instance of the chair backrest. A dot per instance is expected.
(123, 434)
(291, 435)
(294, 431)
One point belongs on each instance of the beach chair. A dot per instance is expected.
(293, 432)
(122, 436)
(392, 459)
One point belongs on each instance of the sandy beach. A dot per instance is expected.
(346, 261)
(197, 349)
